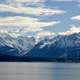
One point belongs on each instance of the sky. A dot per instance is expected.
(39, 17)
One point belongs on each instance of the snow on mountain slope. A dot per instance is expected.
(57, 47)
(62, 41)
(25, 44)
(47, 45)
(21, 44)
(68, 38)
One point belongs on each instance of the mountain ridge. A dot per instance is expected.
(59, 46)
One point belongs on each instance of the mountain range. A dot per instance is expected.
(50, 47)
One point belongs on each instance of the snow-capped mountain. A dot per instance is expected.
(15, 46)
(57, 47)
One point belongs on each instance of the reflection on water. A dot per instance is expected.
(39, 71)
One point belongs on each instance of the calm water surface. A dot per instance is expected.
(39, 71)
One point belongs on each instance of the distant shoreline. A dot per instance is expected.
(31, 59)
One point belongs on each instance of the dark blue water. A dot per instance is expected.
(39, 71)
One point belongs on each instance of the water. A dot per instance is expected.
(39, 71)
